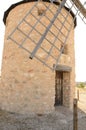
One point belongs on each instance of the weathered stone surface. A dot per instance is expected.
(27, 85)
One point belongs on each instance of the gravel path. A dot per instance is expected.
(61, 119)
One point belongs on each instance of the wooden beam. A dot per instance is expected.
(63, 68)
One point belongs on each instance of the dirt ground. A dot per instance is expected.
(60, 119)
(82, 99)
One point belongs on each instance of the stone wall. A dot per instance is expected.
(27, 85)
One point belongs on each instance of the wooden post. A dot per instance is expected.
(75, 115)
(78, 94)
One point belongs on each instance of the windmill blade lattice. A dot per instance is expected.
(43, 36)
(80, 7)
(81, 16)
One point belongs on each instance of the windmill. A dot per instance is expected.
(47, 29)
(39, 37)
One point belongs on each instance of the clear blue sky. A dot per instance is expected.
(80, 41)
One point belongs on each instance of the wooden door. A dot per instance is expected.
(58, 88)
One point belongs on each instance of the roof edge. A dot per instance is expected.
(6, 13)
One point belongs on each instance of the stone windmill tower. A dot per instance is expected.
(38, 67)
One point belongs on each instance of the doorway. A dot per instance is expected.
(58, 88)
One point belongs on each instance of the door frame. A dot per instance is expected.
(58, 88)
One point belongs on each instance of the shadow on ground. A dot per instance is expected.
(60, 119)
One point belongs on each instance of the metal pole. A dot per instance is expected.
(75, 115)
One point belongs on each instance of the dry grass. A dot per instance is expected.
(82, 99)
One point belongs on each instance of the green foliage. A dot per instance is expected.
(81, 85)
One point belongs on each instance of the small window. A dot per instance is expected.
(65, 49)
(40, 12)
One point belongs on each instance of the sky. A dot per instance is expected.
(80, 41)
